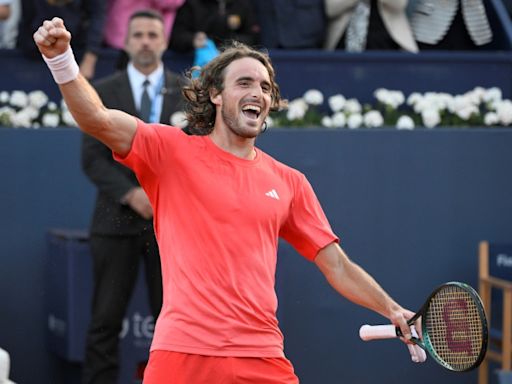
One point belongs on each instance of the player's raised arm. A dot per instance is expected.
(114, 128)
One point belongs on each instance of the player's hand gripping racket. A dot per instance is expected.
(454, 327)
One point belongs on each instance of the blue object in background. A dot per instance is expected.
(203, 55)
(504, 377)
(69, 292)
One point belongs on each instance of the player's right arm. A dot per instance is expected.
(114, 128)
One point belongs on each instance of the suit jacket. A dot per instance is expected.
(112, 179)
(431, 20)
(392, 13)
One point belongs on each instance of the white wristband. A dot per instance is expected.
(63, 67)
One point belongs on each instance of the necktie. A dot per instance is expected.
(357, 29)
(145, 103)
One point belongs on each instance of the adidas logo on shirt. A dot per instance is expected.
(272, 194)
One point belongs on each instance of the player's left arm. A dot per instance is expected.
(353, 282)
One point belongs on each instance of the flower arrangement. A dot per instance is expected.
(34, 109)
(477, 107)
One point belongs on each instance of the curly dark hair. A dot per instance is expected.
(200, 111)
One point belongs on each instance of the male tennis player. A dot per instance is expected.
(220, 205)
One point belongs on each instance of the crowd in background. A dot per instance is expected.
(351, 25)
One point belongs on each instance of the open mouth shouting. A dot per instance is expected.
(251, 111)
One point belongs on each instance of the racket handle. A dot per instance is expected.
(376, 332)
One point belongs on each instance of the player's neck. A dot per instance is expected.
(236, 145)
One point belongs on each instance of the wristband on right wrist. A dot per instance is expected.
(63, 67)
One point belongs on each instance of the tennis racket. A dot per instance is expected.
(454, 327)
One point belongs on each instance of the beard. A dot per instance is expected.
(240, 128)
(145, 58)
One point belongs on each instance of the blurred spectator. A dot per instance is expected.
(5, 9)
(217, 20)
(9, 24)
(450, 25)
(119, 12)
(358, 25)
(83, 18)
(291, 24)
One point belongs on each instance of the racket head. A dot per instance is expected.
(454, 327)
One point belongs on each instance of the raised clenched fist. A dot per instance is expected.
(52, 37)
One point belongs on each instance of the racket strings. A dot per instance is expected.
(454, 327)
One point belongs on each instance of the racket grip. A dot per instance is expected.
(376, 332)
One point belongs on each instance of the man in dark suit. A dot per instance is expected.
(122, 229)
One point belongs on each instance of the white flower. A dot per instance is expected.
(504, 112)
(4, 97)
(7, 114)
(179, 119)
(50, 120)
(392, 98)
(339, 120)
(31, 112)
(442, 100)
(336, 102)
(423, 104)
(466, 112)
(381, 94)
(414, 98)
(37, 99)
(405, 122)
(52, 106)
(475, 96)
(270, 122)
(19, 99)
(492, 95)
(296, 109)
(430, 117)
(433, 100)
(373, 119)
(353, 106)
(22, 119)
(327, 122)
(491, 118)
(354, 121)
(67, 119)
(462, 105)
(314, 97)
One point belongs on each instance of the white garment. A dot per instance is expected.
(156, 79)
(5, 365)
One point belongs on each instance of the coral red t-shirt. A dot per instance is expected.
(217, 221)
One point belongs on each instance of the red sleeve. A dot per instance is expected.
(307, 228)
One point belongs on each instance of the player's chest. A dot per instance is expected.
(254, 193)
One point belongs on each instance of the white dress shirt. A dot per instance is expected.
(157, 82)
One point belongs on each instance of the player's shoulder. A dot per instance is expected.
(280, 167)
